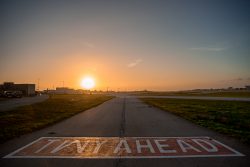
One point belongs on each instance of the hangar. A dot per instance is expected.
(26, 89)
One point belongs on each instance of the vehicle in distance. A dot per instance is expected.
(13, 94)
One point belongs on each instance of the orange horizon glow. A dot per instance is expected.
(115, 75)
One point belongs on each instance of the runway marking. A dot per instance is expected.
(123, 147)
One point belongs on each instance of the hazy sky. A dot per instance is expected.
(147, 44)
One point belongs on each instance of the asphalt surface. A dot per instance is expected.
(17, 102)
(125, 117)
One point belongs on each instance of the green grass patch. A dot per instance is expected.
(28, 118)
(227, 94)
(227, 117)
(242, 94)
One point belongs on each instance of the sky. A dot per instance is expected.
(126, 45)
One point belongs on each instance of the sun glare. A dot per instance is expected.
(88, 83)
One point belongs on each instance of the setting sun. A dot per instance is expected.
(88, 83)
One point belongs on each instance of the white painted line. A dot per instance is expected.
(127, 157)
(229, 148)
(11, 154)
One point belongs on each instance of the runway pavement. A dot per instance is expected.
(119, 118)
(17, 102)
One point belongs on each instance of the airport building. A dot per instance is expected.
(26, 89)
(65, 90)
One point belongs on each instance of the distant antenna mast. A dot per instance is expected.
(62, 84)
(38, 82)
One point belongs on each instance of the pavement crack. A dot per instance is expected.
(123, 119)
(119, 162)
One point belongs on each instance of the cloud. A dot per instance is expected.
(89, 45)
(214, 49)
(239, 79)
(134, 63)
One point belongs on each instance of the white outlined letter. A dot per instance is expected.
(148, 145)
(126, 147)
(162, 146)
(201, 142)
(184, 146)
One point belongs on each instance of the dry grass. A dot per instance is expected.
(28, 118)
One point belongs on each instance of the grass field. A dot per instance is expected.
(197, 93)
(28, 118)
(228, 117)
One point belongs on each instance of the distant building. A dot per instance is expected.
(65, 90)
(247, 87)
(26, 89)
